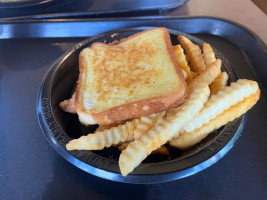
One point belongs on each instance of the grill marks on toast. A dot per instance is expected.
(130, 78)
(123, 73)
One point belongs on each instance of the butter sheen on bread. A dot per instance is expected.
(137, 76)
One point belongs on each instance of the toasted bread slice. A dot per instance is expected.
(137, 76)
(69, 105)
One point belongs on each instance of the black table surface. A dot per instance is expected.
(31, 169)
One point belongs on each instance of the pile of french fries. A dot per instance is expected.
(210, 104)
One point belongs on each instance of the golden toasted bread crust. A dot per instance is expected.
(69, 105)
(133, 109)
(136, 109)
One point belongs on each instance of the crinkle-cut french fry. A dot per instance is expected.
(175, 119)
(185, 74)
(162, 150)
(127, 140)
(187, 60)
(219, 83)
(193, 74)
(189, 139)
(180, 56)
(123, 146)
(211, 72)
(209, 56)
(147, 122)
(221, 101)
(108, 137)
(101, 128)
(194, 53)
(208, 75)
(144, 124)
(69, 105)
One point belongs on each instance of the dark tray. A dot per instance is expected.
(31, 169)
(25, 9)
